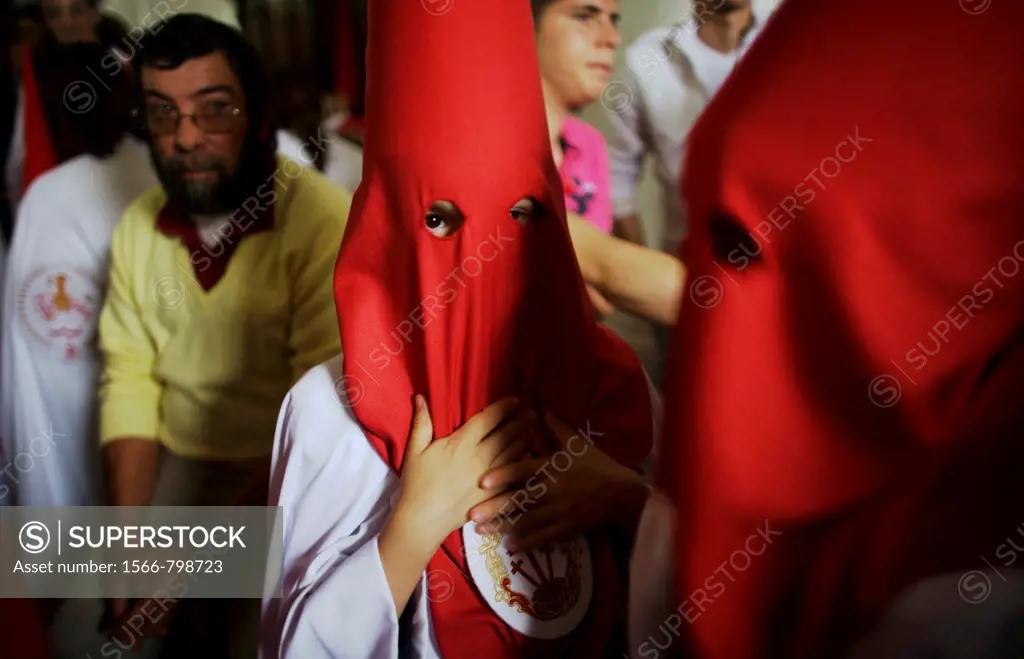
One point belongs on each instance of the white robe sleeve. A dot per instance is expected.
(335, 494)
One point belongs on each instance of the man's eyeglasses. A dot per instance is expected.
(212, 117)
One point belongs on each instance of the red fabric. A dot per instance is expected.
(39, 154)
(22, 630)
(348, 78)
(351, 124)
(850, 372)
(499, 308)
(209, 264)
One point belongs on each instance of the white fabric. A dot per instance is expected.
(671, 76)
(48, 383)
(336, 495)
(291, 147)
(52, 295)
(344, 159)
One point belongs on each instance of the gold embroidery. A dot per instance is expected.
(553, 596)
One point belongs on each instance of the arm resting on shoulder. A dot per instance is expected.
(636, 279)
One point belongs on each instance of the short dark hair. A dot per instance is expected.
(186, 37)
(539, 7)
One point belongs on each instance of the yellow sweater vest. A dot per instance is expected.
(205, 372)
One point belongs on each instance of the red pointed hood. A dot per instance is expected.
(849, 360)
(498, 307)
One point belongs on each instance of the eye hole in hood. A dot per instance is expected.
(731, 243)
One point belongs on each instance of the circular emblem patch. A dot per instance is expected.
(543, 593)
(58, 307)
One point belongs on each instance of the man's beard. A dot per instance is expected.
(224, 192)
(205, 196)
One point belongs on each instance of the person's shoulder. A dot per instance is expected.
(317, 417)
(139, 217)
(649, 42)
(317, 387)
(290, 146)
(309, 188)
(68, 177)
(314, 204)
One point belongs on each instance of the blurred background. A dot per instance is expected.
(316, 52)
(304, 42)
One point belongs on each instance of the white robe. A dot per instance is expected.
(54, 290)
(336, 495)
(291, 147)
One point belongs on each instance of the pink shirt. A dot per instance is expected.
(585, 173)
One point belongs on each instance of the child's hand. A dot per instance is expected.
(441, 477)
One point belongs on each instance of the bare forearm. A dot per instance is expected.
(645, 282)
(405, 549)
(634, 278)
(132, 466)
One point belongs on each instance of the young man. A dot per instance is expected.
(846, 420)
(673, 72)
(219, 296)
(489, 307)
(53, 294)
(576, 45)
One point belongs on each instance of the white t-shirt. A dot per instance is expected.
(344, 159)
(57, 272)
(671, 74)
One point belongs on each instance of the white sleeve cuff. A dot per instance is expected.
(348, 614)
